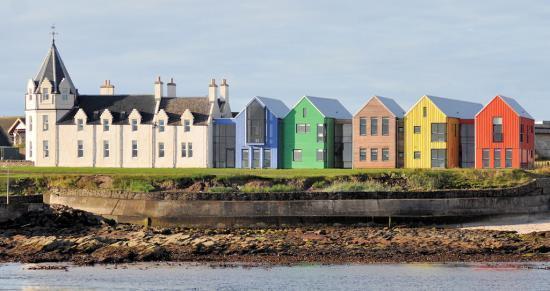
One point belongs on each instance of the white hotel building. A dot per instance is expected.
(65, 128)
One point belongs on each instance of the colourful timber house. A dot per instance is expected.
(505, 135)
(317, 133)
(432, 133)
(258, 133)
(378, 134)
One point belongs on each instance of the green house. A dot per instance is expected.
(317, 134)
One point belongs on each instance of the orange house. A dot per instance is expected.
(505, 135)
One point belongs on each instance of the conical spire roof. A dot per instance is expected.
(54, 70)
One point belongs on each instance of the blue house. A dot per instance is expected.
(258, 133)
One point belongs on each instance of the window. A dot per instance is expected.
(416, 129)
(362, 126)
(304, 112)
(401, 155)
(521, 133)
(497, 129)
(65, 95)
(30, 149)
(161, 125)
(385, 154)
(373, 126)
(320, 133)
(362, 154)
(105, 148)
(424, 111)
(245, 158)
(439, 158)
(485, 158)
(134, 125)
(417, 155)
(45, 94)
(439, 132)
(187, 125)
(45, 123)
(134, 149)
(256, 158)
(45, 148)
(189, 150)
(255, 123)
(161, 150)
(374, 154)
(509, 158)
(385, 126)
(30, 123)
(498, 157)
(303, 128)
(267, 158)
(79, 124)
(105, 124)
(297, 155)
(79, 149)
(183, 150)
(320, 155)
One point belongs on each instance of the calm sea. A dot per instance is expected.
(498, 276)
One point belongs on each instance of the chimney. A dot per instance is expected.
(213, 91)
(158, 88)
(171, 88)
(224, 91)
(107, 88)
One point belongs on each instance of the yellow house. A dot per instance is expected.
(432, 132)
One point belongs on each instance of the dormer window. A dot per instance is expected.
(161, 125)
(105, 124)
(45, 94)
(187, 125)
(134, 125)
(80, 124)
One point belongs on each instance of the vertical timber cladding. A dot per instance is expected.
(422, 115)
(300, 137)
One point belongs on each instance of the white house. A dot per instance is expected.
(65, 128)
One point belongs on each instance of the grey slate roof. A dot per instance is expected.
(175, 107)
(516, 107)
(331, 108)
(94, 105)
(456, 108)
(392, 106)
(53, 69)
(276, 106)
(121, 106)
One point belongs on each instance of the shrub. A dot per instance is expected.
(367, 186)
(133, 185)
(221, 189)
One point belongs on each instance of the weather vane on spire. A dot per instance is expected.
(53, 33)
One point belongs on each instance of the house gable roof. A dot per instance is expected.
(455, 108)
(275, 106)
(515, 106)
(331, 108)
(390, 105)
(6, 123)
(175, 107)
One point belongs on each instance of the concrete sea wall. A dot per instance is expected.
(223, 209)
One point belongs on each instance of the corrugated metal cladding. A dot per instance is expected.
(517, 137)
(418, 144)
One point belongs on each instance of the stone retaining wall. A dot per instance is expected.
(213, 209)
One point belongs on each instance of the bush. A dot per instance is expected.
(133, 185)
(367, 186)
(220, 189)
(269, 189)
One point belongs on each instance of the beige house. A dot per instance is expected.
(65, 128)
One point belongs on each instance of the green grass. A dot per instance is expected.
(368, 186)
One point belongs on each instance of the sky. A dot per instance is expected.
(285, 49)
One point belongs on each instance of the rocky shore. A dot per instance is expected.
(65, 235)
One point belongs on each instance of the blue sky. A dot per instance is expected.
(351, 50)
